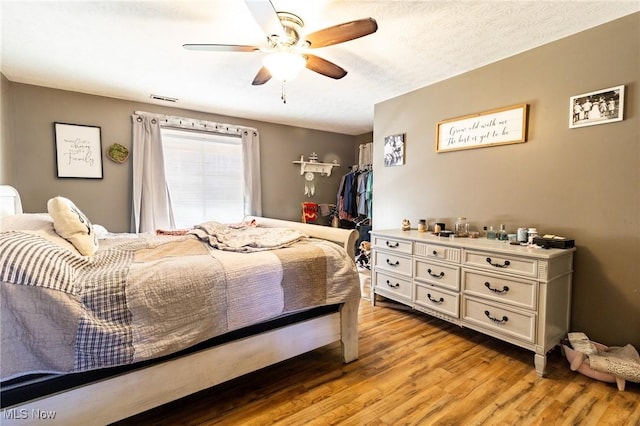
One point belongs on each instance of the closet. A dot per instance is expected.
(355, 194)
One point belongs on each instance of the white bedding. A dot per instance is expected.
(140, 298)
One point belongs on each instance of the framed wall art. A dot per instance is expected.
(394, 150)
(78, 151)
(599, 107)
(495, 127)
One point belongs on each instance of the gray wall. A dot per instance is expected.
(6, 167)
(33, 110)
(582, 183)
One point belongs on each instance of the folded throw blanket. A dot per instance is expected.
(245, 238)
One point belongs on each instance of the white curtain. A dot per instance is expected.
(365, 157)
(251, 160)
(151, 203)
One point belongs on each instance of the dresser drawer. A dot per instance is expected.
(439, 300)
(507, 264)
(521, 293)
(437, 273)
(436, 251)
(392, 262)
(386, 283)
(500, 318)
(400, 246)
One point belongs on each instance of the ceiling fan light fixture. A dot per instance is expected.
(284, 66)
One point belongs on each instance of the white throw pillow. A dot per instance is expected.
(70, 223)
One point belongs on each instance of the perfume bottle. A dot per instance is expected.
(502, 234)
(491, 233)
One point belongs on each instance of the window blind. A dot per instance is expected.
(204, 174)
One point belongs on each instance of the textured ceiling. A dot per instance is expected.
(132, 49)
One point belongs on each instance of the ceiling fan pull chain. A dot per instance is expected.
(283, 96)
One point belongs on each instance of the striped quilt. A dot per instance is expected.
(141, 298)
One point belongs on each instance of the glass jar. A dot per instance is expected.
(422, 225)
(461, 227)
(522, 235)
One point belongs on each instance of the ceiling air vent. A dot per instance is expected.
(163, 98)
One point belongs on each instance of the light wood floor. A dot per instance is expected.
(412, 370)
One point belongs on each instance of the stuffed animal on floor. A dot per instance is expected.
(365, 255)
(609, 364)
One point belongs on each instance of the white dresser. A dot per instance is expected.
(518, 294)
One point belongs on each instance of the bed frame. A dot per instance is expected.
(124, 395)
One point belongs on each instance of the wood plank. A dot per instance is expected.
(411, 369)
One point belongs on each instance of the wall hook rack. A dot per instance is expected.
(315, 167)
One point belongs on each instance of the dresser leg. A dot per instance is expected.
(540, 361)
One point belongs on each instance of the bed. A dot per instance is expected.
(191, 310)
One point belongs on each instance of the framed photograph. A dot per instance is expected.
(499, 126)
(599, 107)
(78, 151)
(394, 150)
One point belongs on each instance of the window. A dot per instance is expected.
(204, 173)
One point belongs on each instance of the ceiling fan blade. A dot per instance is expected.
(266, 16)
(342, 32)
(324, 67)
(221, 47)
(262, 77)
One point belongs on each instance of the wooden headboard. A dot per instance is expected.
(10, 203)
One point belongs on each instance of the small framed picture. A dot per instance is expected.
(599, 107)
(394, 150)
(78, 151)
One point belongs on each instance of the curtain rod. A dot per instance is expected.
(195, 124)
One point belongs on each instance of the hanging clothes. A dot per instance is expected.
(354, 195)
(349, 196)
(369, 194)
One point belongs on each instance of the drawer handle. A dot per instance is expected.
(394, 245)
(495, 290)
(396, 285)
(390, 263)
(501, 321)
(497, 265)
(437, 301)
(435, 252)
(440, 275)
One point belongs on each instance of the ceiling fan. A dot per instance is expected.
(288, 48)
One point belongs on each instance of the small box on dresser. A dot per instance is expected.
(518, 294)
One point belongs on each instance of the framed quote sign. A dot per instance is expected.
(495, 127)
(78, 151)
